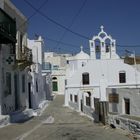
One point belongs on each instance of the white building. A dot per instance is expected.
(55, 64)
(88, 76)
(14, 60)
(37, 92)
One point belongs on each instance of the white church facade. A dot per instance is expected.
(88, 76)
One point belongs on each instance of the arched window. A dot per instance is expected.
(54, 78)
(122, 77)
(85, 78)
(88, 99)
(75, 98)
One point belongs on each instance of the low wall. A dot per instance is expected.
(132, 124)
(73, 105)
(88, 111)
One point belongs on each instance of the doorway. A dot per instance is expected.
(54, 84)
(29, 95)
(127, 106)
(55, 87)
(81, 105)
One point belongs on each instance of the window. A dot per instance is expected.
(54, 78)
(55, 67)
(46, 66)
(85, 78)
(8, 84)
(70, 97)
(75, 98)
(83, 64)
(122, 77)
(23, 83)
(91, 44)
(67, 61)
(65, 82)
(88, 100)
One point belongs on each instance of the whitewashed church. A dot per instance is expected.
(88, 76)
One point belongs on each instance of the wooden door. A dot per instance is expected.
(81, 105)
(127, 106)
(55, 86)
(29, 95)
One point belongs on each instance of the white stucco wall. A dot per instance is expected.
(36, 72)
(103, 73)
(59, 72)
(132, 94)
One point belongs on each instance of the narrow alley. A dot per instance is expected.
(60, 123)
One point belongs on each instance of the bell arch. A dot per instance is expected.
(103, 46)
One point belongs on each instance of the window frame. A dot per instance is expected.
(88, 99)
(122, 77)
(75, 98)
(71, 97)
(85, 78)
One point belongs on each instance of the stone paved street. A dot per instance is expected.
(60, 123)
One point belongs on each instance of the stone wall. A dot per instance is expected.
(131, 124)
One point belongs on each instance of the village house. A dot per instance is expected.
(55, 65)
(37, 89)
(89, 76)
(15, 59)
(22, 86)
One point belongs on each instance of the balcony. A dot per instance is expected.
(7, 28)
(25, 59)
(26, 55)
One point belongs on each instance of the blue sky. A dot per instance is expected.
(121, 19)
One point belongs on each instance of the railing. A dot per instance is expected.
(25, 59)
(26, 55)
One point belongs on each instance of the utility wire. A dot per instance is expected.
(41, 6)
(66, 28)
(73, 20)
(64, 43)
(55, 22)
(75, 46)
